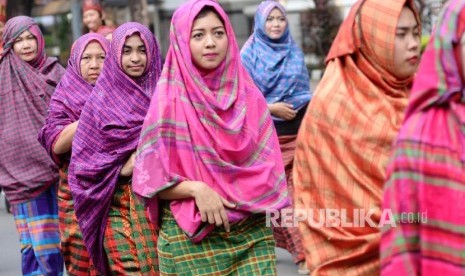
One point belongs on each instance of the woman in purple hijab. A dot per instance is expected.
(84, 67)
(27, 174)
(114, 223)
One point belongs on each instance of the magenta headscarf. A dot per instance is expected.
(26, 88)
(214, 128)
(108, 132)
(70, 95)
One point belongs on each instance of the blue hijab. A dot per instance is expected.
(276, 66)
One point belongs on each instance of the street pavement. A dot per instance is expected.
(10, 258)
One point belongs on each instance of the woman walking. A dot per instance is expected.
(277, 66)
(208, 159)
(114, 223)
(346, 136)
(84, 67)
(27, 174)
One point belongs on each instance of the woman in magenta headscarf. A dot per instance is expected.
(425, 187)
(27, 174)
(84, 66)
(208, 160)
(114, 223)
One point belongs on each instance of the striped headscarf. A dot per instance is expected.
(345, 139)
(276, 66)
(108, 131)
(26, 88)
(214, 128)
(425, 190)
(70, 95)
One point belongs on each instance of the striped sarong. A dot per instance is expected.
(37, 224)
(247, 250)
(130, 239)
(74, 251)
(289, 238)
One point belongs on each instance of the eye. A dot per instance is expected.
(219, 33)
(269, 19)
(197, 35)
(126, 51)
(400, 35)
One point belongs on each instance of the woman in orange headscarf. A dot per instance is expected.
(345, 138)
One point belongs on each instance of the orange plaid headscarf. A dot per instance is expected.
(345, 138)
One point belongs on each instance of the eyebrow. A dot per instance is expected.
(130, 47)
(406, 28)
(215, 28)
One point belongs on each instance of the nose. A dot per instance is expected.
(413, 42)
(94, 63)
(210, 41)
(135, 57)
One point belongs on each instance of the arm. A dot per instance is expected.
(211, 205)
(65, 139)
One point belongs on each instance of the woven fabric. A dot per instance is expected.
(345, 140)
(277, 66)
(26, 170)
(107, 135)
(289, 238)
(425, 186)
(75, 254)
(70, 95)
(248, 249)
(213, 127)
(130, 239)
(37, 224)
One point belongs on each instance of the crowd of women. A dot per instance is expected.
(122, 165)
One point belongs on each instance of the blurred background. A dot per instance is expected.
(313, 23)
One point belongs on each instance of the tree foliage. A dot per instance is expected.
(319, 28)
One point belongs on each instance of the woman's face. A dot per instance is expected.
(92, 62)
(275, 24)
(407, 45)
(208, 42)
(92, 20)
(25, 46)
(134, 57)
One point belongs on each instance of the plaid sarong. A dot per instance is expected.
(130, 240)
(247, 250)
(289, 238)
(37, 224)
(74, 251)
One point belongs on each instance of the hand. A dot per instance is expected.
(129, 166)
(282, 110)
(211, 205)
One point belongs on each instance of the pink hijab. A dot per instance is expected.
(213, 127)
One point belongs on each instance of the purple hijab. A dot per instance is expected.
(26, 88)
(108, 132)
(70, 95)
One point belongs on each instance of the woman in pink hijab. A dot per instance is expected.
(208, 160)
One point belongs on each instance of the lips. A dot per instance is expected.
(413, 60)
(210, 55)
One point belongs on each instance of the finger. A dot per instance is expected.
(211, 218)
(203, 216)
(218, 219)
(224, 217)
(228, 204)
